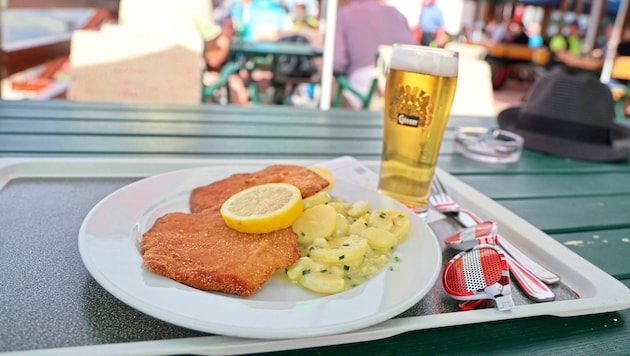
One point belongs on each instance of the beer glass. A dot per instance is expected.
(418, 95)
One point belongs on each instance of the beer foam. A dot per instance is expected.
(426, 60)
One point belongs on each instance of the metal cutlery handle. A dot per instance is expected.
(532, 286)
(537, 270)
(525, 261)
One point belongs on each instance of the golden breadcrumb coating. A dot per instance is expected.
(200, 250)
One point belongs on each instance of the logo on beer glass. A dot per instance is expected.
(411, 107)
(406, 120)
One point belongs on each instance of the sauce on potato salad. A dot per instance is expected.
(343, 244)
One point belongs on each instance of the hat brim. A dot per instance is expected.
(618, 150)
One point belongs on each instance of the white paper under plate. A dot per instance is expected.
(598, 291)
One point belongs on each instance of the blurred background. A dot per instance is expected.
(36, 35)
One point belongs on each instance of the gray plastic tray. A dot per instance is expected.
(47, 291)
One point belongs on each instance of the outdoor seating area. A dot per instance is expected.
(507, 61)
(266, 56)
(241, 189)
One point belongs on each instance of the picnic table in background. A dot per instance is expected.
(583, 62)
(253, 56)
(514, 60)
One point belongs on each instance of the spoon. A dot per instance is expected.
(487, 233)
(479, 273)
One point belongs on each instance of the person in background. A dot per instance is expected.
(362, 26)
(623, 48)
(220, 11)
(262, 19)
(440, 38)
(239, 13)
(431, 22)
(312, 6)
(158, 16)
(489, 28)
(569, 43)
(563, 46)
(535, 36)
(302, 19)
(601, 42)
(499, 31)
(516, 34)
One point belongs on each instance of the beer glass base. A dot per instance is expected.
(422, 212)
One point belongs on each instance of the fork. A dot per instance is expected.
(444, 203)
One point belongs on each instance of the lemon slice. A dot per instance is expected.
(324, 173)
(263, 208)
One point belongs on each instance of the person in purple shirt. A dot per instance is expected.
(362, 26)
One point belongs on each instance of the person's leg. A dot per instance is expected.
(238, 90)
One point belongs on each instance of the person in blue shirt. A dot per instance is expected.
(535, 38)
(260, 20)
(431, 22)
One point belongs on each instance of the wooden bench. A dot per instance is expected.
(516, 60)
(539, 56)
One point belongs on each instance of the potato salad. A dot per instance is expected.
(343, 244)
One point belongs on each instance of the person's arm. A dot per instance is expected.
(217, 49)
(216, 39)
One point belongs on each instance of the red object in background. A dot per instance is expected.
(35, 84)
(45, 77)
(518, 12)
(417, 33)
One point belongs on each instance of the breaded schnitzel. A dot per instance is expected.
(214, 194)
(200, 250)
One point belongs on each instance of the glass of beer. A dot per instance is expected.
(419, 92)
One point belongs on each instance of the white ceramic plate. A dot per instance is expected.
(109, 242)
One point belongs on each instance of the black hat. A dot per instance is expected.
(569, 115)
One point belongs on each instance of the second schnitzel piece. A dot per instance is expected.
(200, 250)
(214, 194)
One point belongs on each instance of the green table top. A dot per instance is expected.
(274, 48)
(568, 199)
